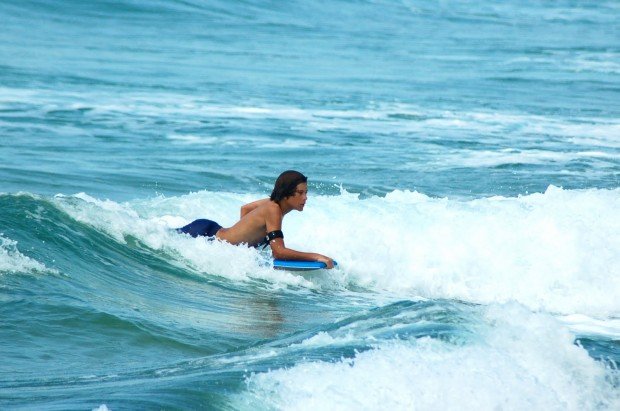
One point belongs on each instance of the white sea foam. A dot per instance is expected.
(608, 329)
(12, 261)
(153, 222)
(377, 118)
(575, 61)
(290, 144)
(599, 62)
(487, 158)
(597, 66)
(191, 139)
(520, 360)
(556, 251)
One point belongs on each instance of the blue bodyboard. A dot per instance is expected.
(293, 265)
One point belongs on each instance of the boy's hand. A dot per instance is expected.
(324, 259)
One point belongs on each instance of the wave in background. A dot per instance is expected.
(465, 271)
(555, 251)
(516, 360)
(186, 321)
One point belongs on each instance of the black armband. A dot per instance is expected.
(272, 235)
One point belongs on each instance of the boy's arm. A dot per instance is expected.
(246, 208)
(279, 251)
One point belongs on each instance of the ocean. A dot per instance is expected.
(463, 160)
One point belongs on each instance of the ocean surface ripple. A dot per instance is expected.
(464, 169)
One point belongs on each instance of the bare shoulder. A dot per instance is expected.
(271, 207)
(271, 212)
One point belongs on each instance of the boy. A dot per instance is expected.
(261, 221)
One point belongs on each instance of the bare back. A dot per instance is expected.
(253, 226)
(264, 216)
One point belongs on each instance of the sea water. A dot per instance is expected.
(464, 169)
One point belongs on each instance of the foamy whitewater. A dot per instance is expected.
(464, 170)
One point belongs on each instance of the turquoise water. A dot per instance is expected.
(464, 169)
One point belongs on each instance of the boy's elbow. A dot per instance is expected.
(278, 255)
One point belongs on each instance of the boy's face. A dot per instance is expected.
(299, 197)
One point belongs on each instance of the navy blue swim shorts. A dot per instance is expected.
(201, 227)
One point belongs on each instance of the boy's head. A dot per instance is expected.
(286, 184)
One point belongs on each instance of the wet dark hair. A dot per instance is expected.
(286, 184)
